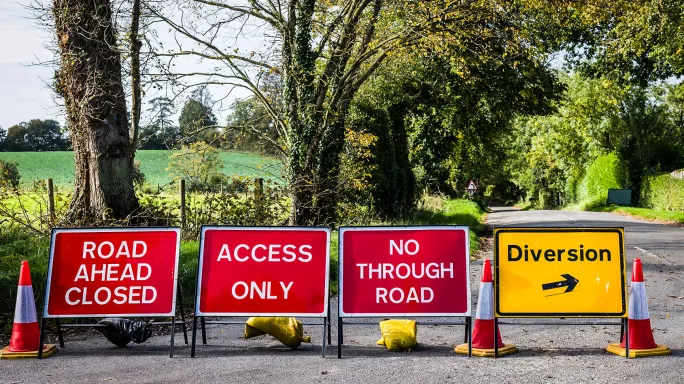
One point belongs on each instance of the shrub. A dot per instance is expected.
(662, 192)
(9, 174)
(604, 173)
(138, 175)
(198, 164)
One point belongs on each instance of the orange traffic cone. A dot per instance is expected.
(641, 342)
(483, 330)
(25, 332)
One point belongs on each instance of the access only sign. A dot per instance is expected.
(112, 272)
(263, 271)
(416, 271)
(559, 272)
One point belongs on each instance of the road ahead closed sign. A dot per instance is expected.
(103, 272)
(559, 272)
(395, 271)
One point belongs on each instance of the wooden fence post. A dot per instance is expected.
(258, 199)
(182, 203)
(51, 201)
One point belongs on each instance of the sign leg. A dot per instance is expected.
(204, 332)
(329, 327)
(60, 336)
(42, 337)
(466, 332)
(180, 302)
(325, 327)
(173, 332)
(496, 339)
(339, 337)
(627, 338)
(470, 336)
(194, 336)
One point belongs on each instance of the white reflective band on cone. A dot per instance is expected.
(485, 302)
(638, 302)
(25, 310)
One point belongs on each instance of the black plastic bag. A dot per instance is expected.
(122, 331)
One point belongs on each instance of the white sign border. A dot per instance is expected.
(340, 289)
(326, 300)
(56, 231)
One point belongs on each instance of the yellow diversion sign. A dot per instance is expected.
(559, 272)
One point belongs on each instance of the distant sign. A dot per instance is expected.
(472, 186)
(394, 271)
(112, 272)
(263, 271)
(559, 272)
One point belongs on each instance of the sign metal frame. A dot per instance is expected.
(341, 315)
(325, 315)
(177, 297)
(624, 324)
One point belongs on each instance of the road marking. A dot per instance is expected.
(567, 217)
(646, 252)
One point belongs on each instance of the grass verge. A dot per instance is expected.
(667, 217)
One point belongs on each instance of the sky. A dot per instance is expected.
(24, 94)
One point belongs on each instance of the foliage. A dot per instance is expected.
(662, 192)
(237, 206)
(138, 175)
(9, 174)
(636, 41)
(197, 120)
(17, 245)
(251, 128)
(548, 155)
(197, 164)
(327, 51)
(605, 172)
(36, 135)
(160, 133)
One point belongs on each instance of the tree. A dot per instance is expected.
(3, 136)
(324, 52)
(36, 135)
(250, 128)
(89, 81)
(161, 109)
(197, 121)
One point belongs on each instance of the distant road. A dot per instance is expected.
(548, 354)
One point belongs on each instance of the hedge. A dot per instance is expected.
(662, 192)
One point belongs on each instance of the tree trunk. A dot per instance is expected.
(135, 45)
(89, 80)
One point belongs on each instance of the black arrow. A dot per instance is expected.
(569, 282)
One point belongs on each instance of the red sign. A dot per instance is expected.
(112, 272)
(417, 271)
(259, 271)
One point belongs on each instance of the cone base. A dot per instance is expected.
(482, 352)
(660, 350)
(48, 350)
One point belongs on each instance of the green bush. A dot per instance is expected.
(9, 174)
(604, 173)
(662, 192)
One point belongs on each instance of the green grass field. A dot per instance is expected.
(59, 166)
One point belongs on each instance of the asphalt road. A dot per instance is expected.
(567, 354)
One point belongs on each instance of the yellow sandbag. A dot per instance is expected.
(398, 335)
(287, 330)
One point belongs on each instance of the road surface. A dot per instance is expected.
(571, 354)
